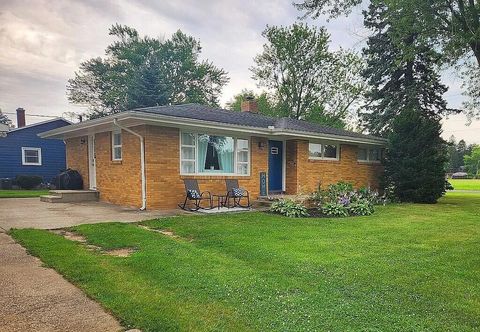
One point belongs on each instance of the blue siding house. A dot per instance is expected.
(22, 152)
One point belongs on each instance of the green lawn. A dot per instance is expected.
(22, 193)
(406, 268)
(465, 184)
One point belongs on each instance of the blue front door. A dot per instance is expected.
(275, 166)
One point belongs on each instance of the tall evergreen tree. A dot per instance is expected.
(416, 157)
(400, 78)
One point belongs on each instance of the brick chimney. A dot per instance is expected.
(249, 105)
(20, 117)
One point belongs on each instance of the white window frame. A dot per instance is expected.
(368, 155)
(323, 143)
(235, 155)
(114, 146)
(39, 152)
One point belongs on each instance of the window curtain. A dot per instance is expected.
(202, 152)
(225, 156)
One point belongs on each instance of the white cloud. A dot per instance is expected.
(43, 42)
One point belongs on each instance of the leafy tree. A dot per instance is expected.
(143, 71)
(455, 159)
(4, 119)
(415, 158)
(306, 79)
(472, 161)
(398, 81)
(453, 26)
(266, 103)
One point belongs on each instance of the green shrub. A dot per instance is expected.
(28, 181)
(334, 209)
(361, 208)
(289, 208)
(342, 200)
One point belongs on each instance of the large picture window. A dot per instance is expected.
(214, 154)
(323, 151)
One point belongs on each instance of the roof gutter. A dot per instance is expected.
(175, 121)
(142, 161)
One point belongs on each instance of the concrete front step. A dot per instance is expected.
(70, 196)
(50, 198)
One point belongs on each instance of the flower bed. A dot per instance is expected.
(338, 200)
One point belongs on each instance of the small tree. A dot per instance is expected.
(416, 158)
(4, 119)
(472, 161)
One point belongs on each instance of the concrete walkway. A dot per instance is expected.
(33, 298)
(31, 213)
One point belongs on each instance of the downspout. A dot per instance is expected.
(142, 162)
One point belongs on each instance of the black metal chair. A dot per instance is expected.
(193, 194)
(236, 193)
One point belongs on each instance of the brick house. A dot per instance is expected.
(140, 157)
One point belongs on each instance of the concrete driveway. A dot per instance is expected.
(31, 213)
(35, 298)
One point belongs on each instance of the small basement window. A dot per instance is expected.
(117, 145)
(31, 156)
(323, 151)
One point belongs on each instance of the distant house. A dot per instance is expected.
(140, 157)
(23, 152)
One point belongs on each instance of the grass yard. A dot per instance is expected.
(22, 193)
(465, 184)
(406, 268)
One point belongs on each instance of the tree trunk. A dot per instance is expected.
(475, 46)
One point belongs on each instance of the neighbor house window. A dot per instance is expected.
(31, 156)
(323, 151)
(212, 154)
(117, 145)
(369, 154)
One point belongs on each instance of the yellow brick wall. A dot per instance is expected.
(120, 182)
(165, 187)
(304, 175)
(77, 156)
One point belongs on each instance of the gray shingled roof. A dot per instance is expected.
(205, 113)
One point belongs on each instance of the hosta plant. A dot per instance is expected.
(289, 208)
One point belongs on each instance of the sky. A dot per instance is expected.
(42, 44)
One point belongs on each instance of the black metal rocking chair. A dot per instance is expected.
(236, 193)
(193, 194)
